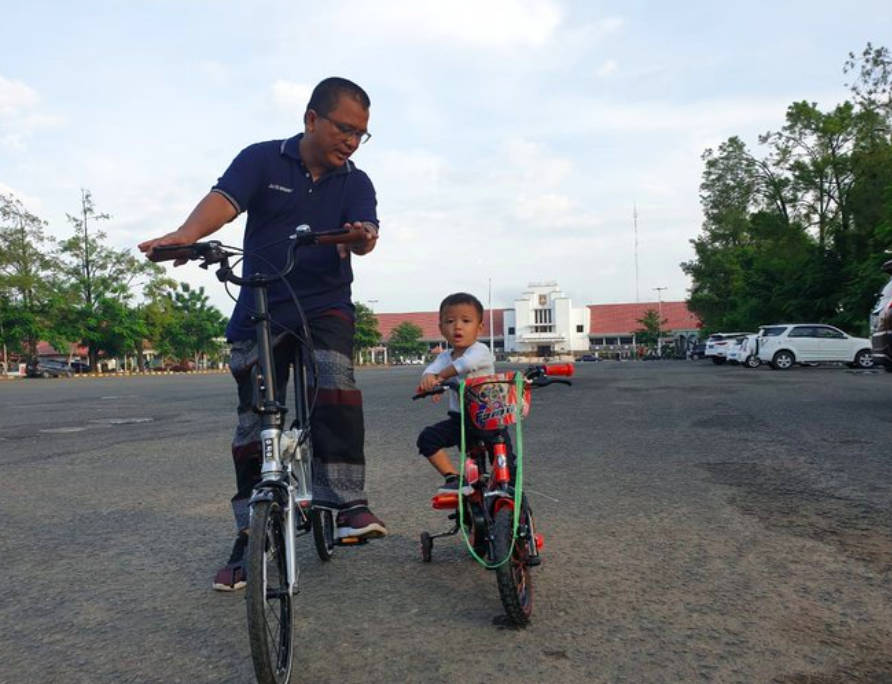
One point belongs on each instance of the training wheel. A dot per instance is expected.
(427, 545)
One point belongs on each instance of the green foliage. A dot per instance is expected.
(189, 325)
(405, 341)
(800, 232)
(24, 267)
(366, 334)
(651, 328)
(93, 287)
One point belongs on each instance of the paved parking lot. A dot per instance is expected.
(701, 523)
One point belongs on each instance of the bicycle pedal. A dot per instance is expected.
(533, 561)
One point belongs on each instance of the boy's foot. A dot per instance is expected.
(450, 486)
(360, 522)
(231, 577)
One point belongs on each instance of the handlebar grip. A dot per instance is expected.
(429, 393)
(342, 237)
(565, 369)
(173, 252)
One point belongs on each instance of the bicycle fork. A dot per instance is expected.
(292, 489)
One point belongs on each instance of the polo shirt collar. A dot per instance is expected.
(291, 148)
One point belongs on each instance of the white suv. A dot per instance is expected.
(785, 344)
(718, 344)
(743, 351)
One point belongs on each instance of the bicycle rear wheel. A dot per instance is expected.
(323, 521)
(513, 576)
(270, 606)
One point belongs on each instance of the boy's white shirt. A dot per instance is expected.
(475, 361)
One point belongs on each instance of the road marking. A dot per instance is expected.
(533, 491)
(121, 421)
(64, 429)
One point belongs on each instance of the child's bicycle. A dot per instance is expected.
(495, 518)
(282, 502)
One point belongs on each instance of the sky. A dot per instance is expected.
(511, 138)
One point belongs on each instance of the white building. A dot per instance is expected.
(544, 322)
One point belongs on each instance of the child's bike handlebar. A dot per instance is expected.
(536, 376)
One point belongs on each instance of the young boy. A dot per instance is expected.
(461, 322)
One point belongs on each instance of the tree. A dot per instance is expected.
(366, 334)
(193, 328)
(405, 341)
(800, 232)
(651, 328)
(95, 282)
(24, 265)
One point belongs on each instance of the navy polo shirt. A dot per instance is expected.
(271, 183)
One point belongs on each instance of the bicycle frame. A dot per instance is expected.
(281, 450)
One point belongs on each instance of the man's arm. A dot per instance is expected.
(211, 214)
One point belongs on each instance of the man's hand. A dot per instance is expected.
(370, 233)
(174, 238)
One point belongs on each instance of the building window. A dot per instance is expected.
(543, 300)
(579, 328)
(510, 329)
(625, 340)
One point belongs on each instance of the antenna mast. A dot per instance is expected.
(635, 223)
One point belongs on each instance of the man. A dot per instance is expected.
(307, 179)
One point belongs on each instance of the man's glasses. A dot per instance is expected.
(348, 131)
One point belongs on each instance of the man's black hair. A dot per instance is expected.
(461, 298)
(325, 95)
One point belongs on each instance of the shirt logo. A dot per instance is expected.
(280, 188)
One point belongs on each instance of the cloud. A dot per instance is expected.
(607, 68)
(18, 115)
(218, 73)
(290, 96)
(491, 24)
(16, 96)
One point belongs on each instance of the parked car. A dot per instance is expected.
(743, 351)
(698, 351)
(881, 324)
(786, 344)
(79, 367)
(47, 368)
(717, 345)
(589, 357)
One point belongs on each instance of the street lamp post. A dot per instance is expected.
(660, 320)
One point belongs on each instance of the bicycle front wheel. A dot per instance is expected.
(270, 606)
(513, 576)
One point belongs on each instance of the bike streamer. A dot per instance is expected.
(518, 478)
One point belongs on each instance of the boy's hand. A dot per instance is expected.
(428, 382)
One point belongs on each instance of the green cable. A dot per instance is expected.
(518, 480)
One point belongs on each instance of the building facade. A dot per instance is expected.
(544, 323)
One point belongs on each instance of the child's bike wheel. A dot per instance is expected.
(323, 521)
(513, 576)
(427, 546)
(270, 606)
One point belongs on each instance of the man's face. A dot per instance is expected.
(336, 135)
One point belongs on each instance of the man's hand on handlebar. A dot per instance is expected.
(363, 246)
(174, 238)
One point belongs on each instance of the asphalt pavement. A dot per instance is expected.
(701, 523)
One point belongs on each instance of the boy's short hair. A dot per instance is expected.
(461, 298)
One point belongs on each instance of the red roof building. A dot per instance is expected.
(622, 319)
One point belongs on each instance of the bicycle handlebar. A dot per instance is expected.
(536, 376)
(303, 236)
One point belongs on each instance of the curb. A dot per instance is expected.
(122, 374)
